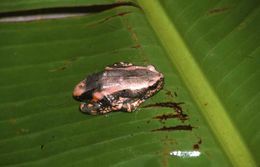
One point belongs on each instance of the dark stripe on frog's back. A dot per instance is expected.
(127, 93)
(93, 81)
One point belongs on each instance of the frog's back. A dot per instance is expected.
(134, 79)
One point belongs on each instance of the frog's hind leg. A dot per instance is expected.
(153, 89)
(131, 105)
(127, 93)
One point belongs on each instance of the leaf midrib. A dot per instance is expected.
(198, 85)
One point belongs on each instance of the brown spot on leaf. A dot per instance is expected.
(134, 37)
(173, 105)
(136, 46)
(174, 128)
(166, 116)
(218, 10)
(65, 65)
(168, 93)
(196, 146)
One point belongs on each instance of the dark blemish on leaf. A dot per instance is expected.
(168, 93)
(134, 37)
(148, 121)
(166, 116)
(175, 94)
(197, 145)
(174, 128)
(65, 65)
(136, 46)
(42, 146)
(175, 106)
(200, 141)
(205, 104)
(58, 69)
(218, 10)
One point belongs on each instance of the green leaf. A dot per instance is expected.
(207, 52)
(194, 72)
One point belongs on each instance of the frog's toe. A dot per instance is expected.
(131, 106)
(87, 108)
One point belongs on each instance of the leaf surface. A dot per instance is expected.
(212, 55)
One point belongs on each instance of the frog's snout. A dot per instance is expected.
(79, 90)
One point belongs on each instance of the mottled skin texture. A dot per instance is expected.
(121, 86)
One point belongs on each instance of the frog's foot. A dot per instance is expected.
(131, 105)
(88, 108)
(105, 110)
(119, 65)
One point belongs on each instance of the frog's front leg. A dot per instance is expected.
(106, 104)
(90, 108)
(97, 105)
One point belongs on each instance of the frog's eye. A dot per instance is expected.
(86, 96)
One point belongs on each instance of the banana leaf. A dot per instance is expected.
(206, 114)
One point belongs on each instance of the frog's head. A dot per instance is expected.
(84, 90)
(82, 93)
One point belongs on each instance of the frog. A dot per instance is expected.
(121, 86)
